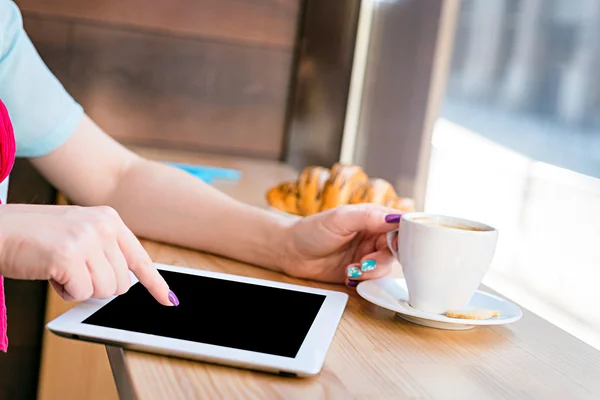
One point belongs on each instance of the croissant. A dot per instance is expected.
(311, 183)
(318, 189)
(377, 191)
(284, 197)
(341, 185)
(403, 204)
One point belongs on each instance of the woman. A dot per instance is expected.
(88, 251)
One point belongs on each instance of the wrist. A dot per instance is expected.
(280, 239)
(261, 238)
(274, 247)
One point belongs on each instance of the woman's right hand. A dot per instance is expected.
(85, 252)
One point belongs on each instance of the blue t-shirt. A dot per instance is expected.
(43, 114)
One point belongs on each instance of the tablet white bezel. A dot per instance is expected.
(308, 361)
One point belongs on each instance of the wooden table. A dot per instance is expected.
(374, 354)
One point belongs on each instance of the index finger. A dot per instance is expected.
(143, 268)
(367, 217)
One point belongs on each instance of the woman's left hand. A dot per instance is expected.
(346, 244)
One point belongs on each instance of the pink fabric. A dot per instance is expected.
(8, 149)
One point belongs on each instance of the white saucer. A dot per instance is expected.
(391, 293)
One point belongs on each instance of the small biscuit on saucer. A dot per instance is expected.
(476, 313)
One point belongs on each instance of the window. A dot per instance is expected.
(517, 145)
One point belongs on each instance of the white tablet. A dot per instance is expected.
(225, 319)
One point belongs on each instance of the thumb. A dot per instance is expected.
(349, 219)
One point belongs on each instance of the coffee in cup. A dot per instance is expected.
(444, 259)
(446, 224)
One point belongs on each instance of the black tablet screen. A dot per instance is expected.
(217, 312)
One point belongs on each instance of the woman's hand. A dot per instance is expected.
(83, 251)
(346, 244)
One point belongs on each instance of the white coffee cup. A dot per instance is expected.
(444, 259)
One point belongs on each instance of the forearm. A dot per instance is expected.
(162, 203)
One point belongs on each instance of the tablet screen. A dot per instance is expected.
(217, 312)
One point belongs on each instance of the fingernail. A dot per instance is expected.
(393, 218)
(352, 283)
(173, 299)
(354, 272)
(368, 265)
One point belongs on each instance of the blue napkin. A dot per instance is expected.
(206, 173)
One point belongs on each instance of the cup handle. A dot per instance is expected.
(390, 237)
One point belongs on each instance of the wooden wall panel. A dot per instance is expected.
(147, 87)
(175, 92)
(322, 82)
(271, 22)
(51, 39)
